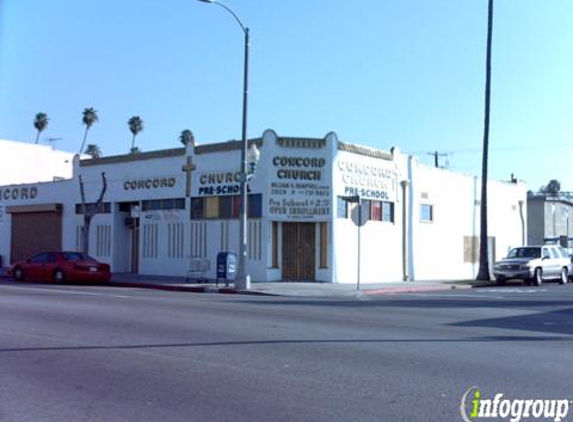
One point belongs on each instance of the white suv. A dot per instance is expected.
(534, 264)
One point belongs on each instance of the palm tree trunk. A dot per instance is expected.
(132, 142)
(483, 272)
(84, 141)
(37, 136)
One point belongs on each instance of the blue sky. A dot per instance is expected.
(407, 73)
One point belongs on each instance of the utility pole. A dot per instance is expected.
(483, 270)
(53, 141)
(437, 156)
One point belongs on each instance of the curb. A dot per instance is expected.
(419, 289)
(174, 287)
(232, 290)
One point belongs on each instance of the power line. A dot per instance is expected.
(513, 148)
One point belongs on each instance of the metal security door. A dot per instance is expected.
(134, 258)
(34, 232)
(298, 251)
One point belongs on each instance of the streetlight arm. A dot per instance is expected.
(224, 6)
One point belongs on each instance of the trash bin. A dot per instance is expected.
(226, 267)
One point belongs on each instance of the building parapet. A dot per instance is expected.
(362, 150)
(125, 158)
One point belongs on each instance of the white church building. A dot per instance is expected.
(164, 210)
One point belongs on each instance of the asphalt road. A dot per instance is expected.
(88, 353)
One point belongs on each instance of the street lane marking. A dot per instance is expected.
(513, 290)
(476, 296)
(69, 292)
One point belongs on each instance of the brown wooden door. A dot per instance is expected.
(298, 247)
(134, 258)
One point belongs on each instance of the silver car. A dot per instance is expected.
(534, 264)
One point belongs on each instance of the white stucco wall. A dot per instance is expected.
(438, 246)
(381, 241)
(45, 193)
(135, 181)
(504, 221)
(30, 163)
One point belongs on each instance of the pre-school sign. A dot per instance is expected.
(368, 178)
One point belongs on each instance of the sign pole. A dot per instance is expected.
(359, 224)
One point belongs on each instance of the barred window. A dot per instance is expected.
(225, 207)
(163, 204)
(371, 210)
(387, 211)
(103, 208)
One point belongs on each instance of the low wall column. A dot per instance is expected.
(405, 252)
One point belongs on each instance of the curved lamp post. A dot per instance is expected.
(243, 279)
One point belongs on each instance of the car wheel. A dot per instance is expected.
(59, 276)
(564, 276)
(538, 277)
(500, 281)
(18, 274)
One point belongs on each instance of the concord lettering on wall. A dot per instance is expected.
(18, 193)
(299, 168)
(368, 180)
(157, 183)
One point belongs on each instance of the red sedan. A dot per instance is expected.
(59, 267)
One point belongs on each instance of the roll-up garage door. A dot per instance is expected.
(35, 228)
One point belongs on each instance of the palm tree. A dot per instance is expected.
(187, 137)
(483, 271)
(93, 150)
(89, 117)
(135, 126)
(552, 188)
(40, 123)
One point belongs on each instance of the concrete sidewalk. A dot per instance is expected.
(282, 288)
(326, 290)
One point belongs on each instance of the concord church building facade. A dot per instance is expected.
(318, 210)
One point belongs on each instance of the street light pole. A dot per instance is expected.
(243, 279)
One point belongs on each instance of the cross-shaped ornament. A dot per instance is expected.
(188, 168)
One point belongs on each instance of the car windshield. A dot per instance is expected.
(76, 256)
(525, 253)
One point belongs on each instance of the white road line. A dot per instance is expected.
(514, 290)
(456, 295)
(500, 293)
(69, 292)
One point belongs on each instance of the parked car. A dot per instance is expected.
(534, 265)
(59, 267)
